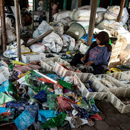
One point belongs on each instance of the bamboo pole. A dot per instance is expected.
(92, 21)
(121, 10)
(17, 29)
(3, 26)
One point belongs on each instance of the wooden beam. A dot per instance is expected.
(92, 21)
(80, 3)
(121, 10)
(39, 38)
(3, 25)
(17, 29)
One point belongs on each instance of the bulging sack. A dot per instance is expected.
(80, 15)
(113, 11)
(42, 28)
(58, 16)
(54, 42)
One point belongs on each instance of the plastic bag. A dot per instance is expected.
(53, 76)
(48, 113)
(5, 98)
(66, 85)
(64, 103)
(41, 96)
(24, 120)
(54, 42)
(42, 28)
(54, 122)
(52, 101)
(33, 110)
(58, 16)
(4, 86)
(44, 87)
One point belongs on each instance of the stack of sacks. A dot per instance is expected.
(9, 31)
(118, 47)
(62, 17)
(110, 16)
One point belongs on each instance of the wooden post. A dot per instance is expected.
(3, 26)
(121, 10)
(80, 3)
(17, 29)
(92, 21)
(33, 18)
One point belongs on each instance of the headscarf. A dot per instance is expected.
(103, 37)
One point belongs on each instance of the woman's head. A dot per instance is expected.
(102, 38)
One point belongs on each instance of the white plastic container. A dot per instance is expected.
(26, 58)
(61, 71)
(120, 86)
(4, 74)
(48, 64)
(101, 91)
(117, 103)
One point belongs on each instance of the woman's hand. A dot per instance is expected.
(89, 63)
(83, 58)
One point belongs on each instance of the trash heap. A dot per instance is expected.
(34, 98)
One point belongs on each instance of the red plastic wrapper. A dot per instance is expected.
(64, 103)
(45, 80)
(5, 114)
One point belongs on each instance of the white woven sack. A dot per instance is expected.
(113, 11)
(100, 16)
(42, 28)
(80, 14)
(54, 42)
(58, 16)
(10, 36)
(104, 24)
(66, 21)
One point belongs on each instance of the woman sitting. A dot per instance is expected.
(97, 56)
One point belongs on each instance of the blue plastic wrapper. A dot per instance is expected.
(16, 104)
(94, 109)
(4, 86)
(85, 114)
(12, 110)
(41, 118)
(53, 76)
(24, 120)
(33, 110)
(2, 109)
(41, 96)
(85, 37)
(48, 113)
(82, 113)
